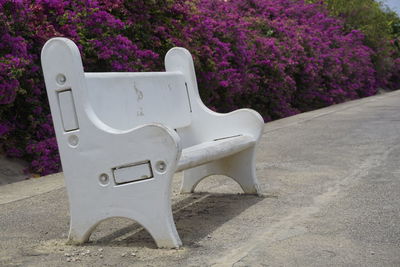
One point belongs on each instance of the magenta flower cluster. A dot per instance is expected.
(280, 57)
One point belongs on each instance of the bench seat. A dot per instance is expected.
(210, 151)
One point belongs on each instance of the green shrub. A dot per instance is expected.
(381, 27)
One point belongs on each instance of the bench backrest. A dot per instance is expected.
(119, 101)
(126, 100)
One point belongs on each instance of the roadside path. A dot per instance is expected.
(331, 185)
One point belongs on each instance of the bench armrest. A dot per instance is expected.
(91, 157)
(207, 125)
(218, 125)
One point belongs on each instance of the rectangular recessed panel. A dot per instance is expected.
(134, 172)
(68, 112)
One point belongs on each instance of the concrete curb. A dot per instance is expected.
(30, 188)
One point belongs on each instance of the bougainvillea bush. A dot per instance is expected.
(381, 27)
(280, 57)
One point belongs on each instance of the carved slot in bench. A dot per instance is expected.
(132, 173)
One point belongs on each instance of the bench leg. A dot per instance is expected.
(155, 215)
(79, 231)
(151, 209)
(240, 167)
(193, 176)
(161, 228)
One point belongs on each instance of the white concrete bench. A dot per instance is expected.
(122, 136)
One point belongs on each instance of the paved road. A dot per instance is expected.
(331, 184)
